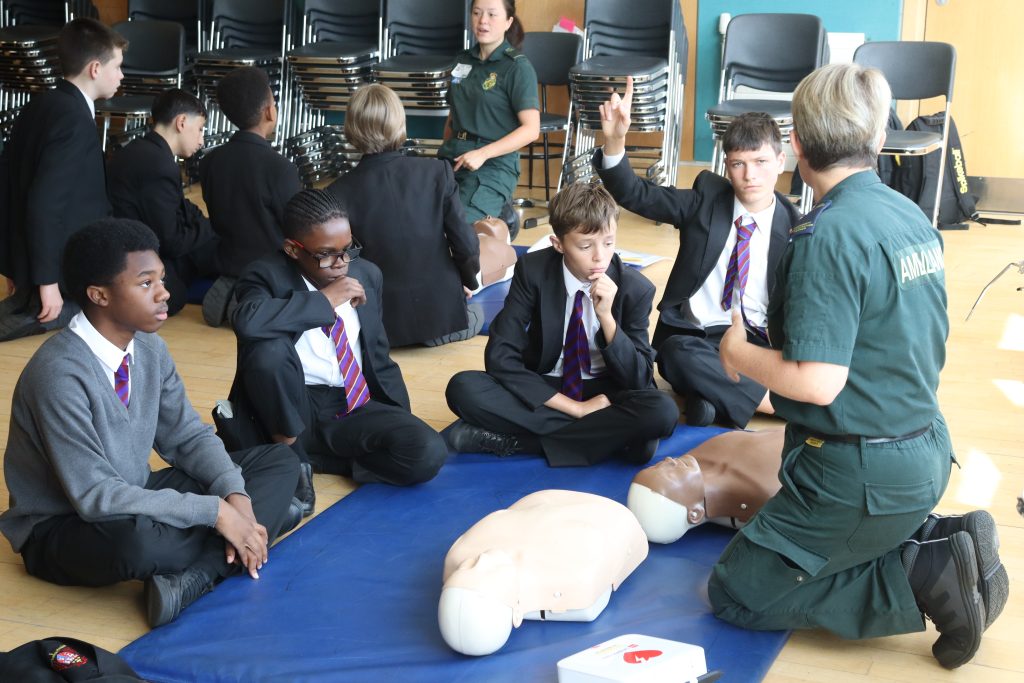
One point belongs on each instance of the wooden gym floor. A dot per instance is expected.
(982, 397)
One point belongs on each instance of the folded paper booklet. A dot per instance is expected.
(638, 259)
(635, 658)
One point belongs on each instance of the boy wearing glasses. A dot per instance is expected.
(314, 369)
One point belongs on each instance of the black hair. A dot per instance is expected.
(748, 132)
(309, 208)
(242, 94)
(98, 253)
(84, 40)
(169, 104)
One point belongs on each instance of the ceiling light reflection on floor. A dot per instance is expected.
(1012, 389)
(1013, 334)
(979, 479)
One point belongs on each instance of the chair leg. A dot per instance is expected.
(529, 166)
(547, 170)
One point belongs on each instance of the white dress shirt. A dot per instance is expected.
(316, 350)
(108, 354)
(590, 323)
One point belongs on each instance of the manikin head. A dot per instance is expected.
(668, 498)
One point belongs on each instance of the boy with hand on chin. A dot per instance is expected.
(85, 508)
(570, 371)
(314, 368)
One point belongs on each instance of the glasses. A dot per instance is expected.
(331, 260)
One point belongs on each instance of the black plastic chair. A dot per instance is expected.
(915, 71)
(769, 52)
(552, 55)
(420, 41)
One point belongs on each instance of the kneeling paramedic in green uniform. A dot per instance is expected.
(494, 110)
(857, 326)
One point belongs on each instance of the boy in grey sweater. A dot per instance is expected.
(85, 508)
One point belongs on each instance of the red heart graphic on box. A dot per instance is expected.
(640, 656)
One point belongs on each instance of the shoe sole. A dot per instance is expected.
(994, 583)
(946, 649)
(157, 613)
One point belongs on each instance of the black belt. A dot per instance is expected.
(854, 438)
(463, 135)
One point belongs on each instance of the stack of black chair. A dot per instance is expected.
(644, 39)
(421, 39)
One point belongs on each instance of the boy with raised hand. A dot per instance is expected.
(94, 400)
(732, 233)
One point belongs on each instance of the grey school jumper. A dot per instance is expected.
(73, 447)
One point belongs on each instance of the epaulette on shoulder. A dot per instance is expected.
(514, 53)
(805, 226)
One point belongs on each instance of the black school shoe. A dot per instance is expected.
(699, 411)
(304, 489)
(944, 577)
(995, 583)
(166, 595)
(463, 437)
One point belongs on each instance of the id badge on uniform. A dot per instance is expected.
(460, 71)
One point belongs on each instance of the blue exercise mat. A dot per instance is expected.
(353, 595)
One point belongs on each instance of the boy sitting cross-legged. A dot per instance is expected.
(85, 508)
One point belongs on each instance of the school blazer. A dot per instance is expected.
(274, 303)
(144, 183)
(703, 217)
(56, 184)
(406, 213)
(526, 337)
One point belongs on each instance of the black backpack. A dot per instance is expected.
(64, 660)
(916, 177)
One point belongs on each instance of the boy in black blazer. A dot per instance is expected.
(144, 183)
(53, 175)
(569, 369)
(329, 389)
(246, 183)
(695, 311)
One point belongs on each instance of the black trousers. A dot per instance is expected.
(691, 365)
(70, 551)
(182, 271)
(378, 442)
(19, 314)
(634, 418)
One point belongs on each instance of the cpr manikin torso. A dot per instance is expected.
(553, 555)
(725, 480)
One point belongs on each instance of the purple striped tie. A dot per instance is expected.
(575, 352)
(739, 262)
(121, 381)
(356, 391)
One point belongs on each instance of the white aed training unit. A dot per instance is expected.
(635, 658)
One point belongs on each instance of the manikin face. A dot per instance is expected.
(489, 22)
(332, 237)
(587, 256)
(680, 480)
(107, 75)
(753, 174)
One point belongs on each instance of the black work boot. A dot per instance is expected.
(995, 583)
(944, 577)
(463, 437)
(167, 594)
(304, 489)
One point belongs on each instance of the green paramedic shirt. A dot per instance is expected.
(862, 284)
(486, 101)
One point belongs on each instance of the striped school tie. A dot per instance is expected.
(575, 352)
(739, 263)
(356, 391)
(121, 381)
